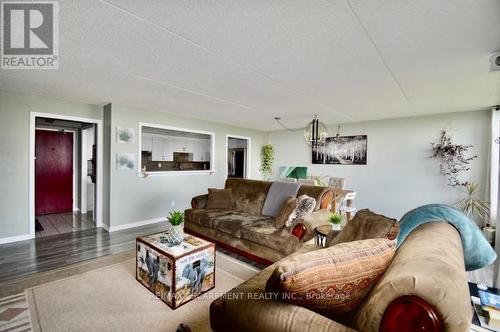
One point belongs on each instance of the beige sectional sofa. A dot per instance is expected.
(245, 230)
(424, 289)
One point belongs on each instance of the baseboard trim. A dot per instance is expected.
(17, 238)
(136, 224)
(106, 227)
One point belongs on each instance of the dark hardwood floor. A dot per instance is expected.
(21, 259)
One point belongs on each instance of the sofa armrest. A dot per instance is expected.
(199, 202)
(249, 314)
(425, 286)
(308, 223)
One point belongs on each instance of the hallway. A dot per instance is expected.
(60, 223)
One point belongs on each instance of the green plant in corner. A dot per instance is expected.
(336, 218)
(267, 159)
(175, 218)
(472, 205)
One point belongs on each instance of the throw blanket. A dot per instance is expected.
(477, 251)
(277, 195)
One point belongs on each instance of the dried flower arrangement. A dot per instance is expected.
(453, 159)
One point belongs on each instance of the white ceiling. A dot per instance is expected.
(244, 62)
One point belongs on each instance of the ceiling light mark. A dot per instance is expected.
(405, 96)
(287, 88)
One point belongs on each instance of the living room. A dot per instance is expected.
(246, 135)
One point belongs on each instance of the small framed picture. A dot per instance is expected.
(125, 161)
(125, 135)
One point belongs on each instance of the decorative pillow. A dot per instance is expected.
(305, 206)
(286, 210)
(220, 199)
(334, 280)
(367, 225)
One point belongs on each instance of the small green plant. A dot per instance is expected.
(336, 218)
(175, 218)
(266, 166)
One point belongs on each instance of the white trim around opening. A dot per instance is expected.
(31, 171)
(247, 157)
(140, 173)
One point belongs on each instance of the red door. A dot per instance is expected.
(53, 172)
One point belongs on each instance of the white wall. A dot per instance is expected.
(15, 111)
(134, 199)
(399, 175)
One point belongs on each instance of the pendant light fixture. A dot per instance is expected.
(315, 133)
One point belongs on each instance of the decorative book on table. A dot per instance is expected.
(489, 300)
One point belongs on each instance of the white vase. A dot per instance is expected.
(175, 235)
(336, 227)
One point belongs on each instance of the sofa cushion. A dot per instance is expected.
(367, 225)
(286, 210)
(335, 280)
(233, 222)
(305, 205)
(264, 233)
(277, 196)
(248, 195)
(220, 199)
(204, 217)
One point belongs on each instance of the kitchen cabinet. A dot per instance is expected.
(201, 150)
(182, 145)
(161, 149)
(147, 143)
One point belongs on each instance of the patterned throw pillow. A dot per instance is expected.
(334, 280)
(305, 206)
(285, 212)
(367, 225)
(220, 199)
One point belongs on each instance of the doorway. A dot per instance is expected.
(238, 156)
(64, 174)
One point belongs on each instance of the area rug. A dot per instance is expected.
(14, 314)
(110, 299)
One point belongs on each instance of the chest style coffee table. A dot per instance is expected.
(175, 274)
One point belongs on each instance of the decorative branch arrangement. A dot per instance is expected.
(453, 159)
(266, 166)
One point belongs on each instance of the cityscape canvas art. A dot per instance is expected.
(342, 150)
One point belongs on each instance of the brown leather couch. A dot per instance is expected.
(249, 233)
(424, 289)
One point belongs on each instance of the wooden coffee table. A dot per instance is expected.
(175, 274)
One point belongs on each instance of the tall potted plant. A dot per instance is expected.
(175, 235)
(473, 206)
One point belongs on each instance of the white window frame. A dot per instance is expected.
(140, 173)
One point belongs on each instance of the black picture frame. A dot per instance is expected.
(342, 150)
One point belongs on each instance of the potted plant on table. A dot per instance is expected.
(175, 235)
(336, 221)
